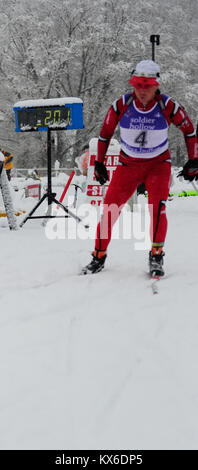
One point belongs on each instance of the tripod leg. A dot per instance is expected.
(33, 210)
(78, 219)
(49, 211)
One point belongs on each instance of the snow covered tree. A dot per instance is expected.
(87, 49)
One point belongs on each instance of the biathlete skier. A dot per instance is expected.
(144, 117)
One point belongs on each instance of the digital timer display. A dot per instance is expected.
(46, 116)
(50, 117)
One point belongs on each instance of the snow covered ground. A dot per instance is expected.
(98, 362)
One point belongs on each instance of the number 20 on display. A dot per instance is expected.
(54, 115)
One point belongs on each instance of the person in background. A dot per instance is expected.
(8, 162)
(144, 117)
(83, 161)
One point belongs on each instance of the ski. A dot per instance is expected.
(155, 283)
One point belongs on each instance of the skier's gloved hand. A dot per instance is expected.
(190, 170)
(100, 173)
(141, 189)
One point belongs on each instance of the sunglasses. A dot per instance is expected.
(143, 86)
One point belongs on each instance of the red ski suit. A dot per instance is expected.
(155, 172)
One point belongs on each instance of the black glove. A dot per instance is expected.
(100, 173)
(141, 189)
(190, 170)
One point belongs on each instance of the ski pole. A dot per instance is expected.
(75, 195)
(66, 187)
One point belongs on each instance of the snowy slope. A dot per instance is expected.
(98, 362)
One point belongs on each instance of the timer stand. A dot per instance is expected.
(48, 115)
(49, 195)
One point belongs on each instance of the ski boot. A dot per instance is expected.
(156, 262)
(97, 263)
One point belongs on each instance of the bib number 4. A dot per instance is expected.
(141, 139)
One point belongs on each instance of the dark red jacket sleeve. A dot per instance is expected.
(108, 128)
(180, 119)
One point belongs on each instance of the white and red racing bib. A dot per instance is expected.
(143, 134)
